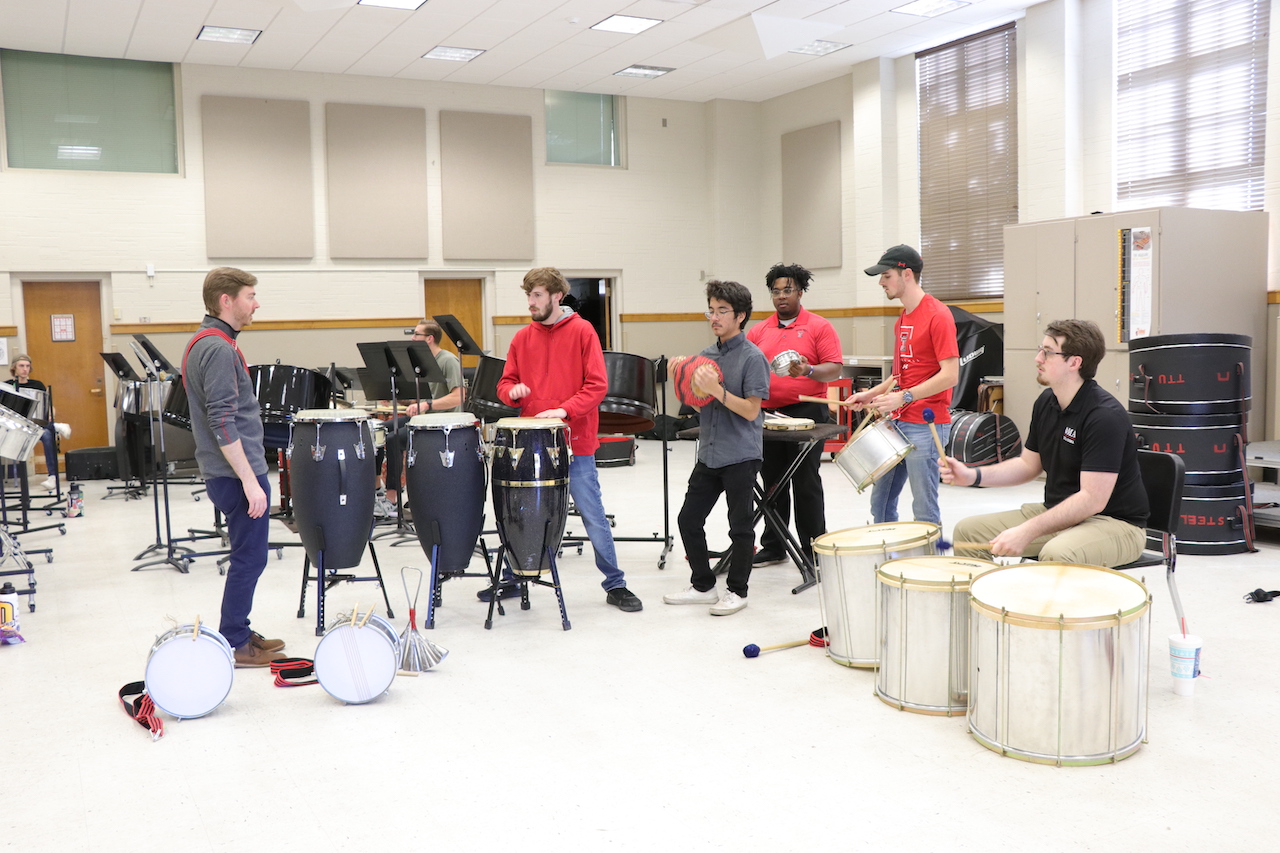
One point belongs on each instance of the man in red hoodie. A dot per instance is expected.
(555, 369)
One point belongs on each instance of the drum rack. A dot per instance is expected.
(10, 547)
(22, 507)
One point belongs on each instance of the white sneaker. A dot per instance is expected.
(692, 596)
(48, 484)
(730, 604)
(63, 430)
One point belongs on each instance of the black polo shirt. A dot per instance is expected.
(1093, 433)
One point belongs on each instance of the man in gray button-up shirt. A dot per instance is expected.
(731, 443)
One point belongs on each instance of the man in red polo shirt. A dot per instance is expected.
(792, 327)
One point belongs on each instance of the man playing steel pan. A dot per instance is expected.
(1095, 506)
(817, 360)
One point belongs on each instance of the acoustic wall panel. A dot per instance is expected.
(812, 223)
(377, 171)
(258, 196)
(486, 176)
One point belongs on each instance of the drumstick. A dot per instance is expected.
(355, 611)
(871, 416)
(195, 634)
(365, 620)
(928, 418)
(944, 545)
(752, 650)
(805, 398)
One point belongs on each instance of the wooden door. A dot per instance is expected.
(461, 297)
(72, 369)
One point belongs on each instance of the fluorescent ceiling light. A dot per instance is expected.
(410, 5)
(230, 35)
(454, 54)
(819, 48)
(646, 71)
(79, 152)
(626, 24)
(930, 8)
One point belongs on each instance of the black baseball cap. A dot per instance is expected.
(897, 258)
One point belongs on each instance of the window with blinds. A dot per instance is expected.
(1191, 103)
(967, 95)
(582, 128)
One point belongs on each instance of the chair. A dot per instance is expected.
(1162, 475)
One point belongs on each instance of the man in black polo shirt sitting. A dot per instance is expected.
(1095, 507)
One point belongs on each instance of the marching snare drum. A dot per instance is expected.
(283, 391)
(1058, 658)
(872, 453)
(331, 470)
(18, 436)
(924, 633)
(357, 658)
(445, 479)
(531, 489)
(847, 562)
(189, 671)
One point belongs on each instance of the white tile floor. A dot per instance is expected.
(640, 731)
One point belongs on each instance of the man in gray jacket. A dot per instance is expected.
(226, 421)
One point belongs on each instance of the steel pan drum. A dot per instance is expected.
(282, 391)
(629, 405)
(331, 473)
(482, 396)
(177, 407)
(445, 479)
(31, 403)
(18, 436)
(1197, 374)
(531, 489)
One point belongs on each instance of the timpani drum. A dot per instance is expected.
(924, 633)
(445, 479)
(847, 561)
(872, 453)
(531, 489)
(1058, 658)
(331, 475)
(357, 658)
(189, 671)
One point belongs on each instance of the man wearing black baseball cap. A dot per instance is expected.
(926, 365)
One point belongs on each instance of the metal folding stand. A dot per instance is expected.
(524, 580)
(24, 501)
(436, 597)
(128, 437)
(10, 549)
(175, 556)
(327, 578)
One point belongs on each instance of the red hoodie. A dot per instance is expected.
(563, 366)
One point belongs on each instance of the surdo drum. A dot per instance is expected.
(872, 453)
(531, 489)
(331, 470)
(924, 633)
(445, 478)
(1058, 658)
(847, 563)
(357, 658)
(189, 671)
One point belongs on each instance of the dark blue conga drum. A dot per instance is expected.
(331, 472)
(445, 479)
(531, 489)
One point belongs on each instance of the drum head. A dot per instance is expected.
(875, 538)
(788, 423)
(189, 677)
(442, 420)
(530, 423)
(357, 664)
(1052, 595)
(933, 572)
(311, 416)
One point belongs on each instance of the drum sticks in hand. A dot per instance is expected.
(929, 418)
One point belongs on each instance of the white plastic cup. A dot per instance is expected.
(1184, 662)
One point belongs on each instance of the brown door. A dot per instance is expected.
(460, 297)
(73, 370)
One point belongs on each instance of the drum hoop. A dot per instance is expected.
(961, 584)
(341, 416)
(516, 484)
(880, 547)
(1073, 623)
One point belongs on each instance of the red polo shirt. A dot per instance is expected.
(811, 336)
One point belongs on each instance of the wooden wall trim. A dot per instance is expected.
(1273, 297)
(272, 325)
(510, 319)
(8, 331)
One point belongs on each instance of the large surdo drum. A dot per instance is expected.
(531, 489)
(332, 478)
(445, 478)
(282, 392)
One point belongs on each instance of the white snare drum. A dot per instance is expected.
(847, 562)
(788, 424)
(781, 363)
(356, 659)
(924, 633)
(1058, 658)
(18, 436)
(870, 454)
(189, 672)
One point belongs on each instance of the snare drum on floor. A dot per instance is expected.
(357, 658)
(189, 671)
(872, 453)
(846, 566)
(924, 633)
(1058, 658)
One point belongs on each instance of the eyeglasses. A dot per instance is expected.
(719, 312)
(1046, 352)
(786, 291)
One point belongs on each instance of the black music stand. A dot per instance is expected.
(421, 363)
(135, 453)
(158, 361)
(457, 333)
(382, 379)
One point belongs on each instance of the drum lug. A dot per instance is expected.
(413, 455)
(360, 448)
(288, 454)
(446, 458)
(317, 452)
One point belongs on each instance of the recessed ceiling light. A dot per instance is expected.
(453, 54)
(626, 24)
(410, 5)
(230, 35)
(647, 71)
(930, 8)
(819, 48)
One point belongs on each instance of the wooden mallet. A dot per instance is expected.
(753, 650)
(928, 416)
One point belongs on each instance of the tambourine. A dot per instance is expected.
(683, 375)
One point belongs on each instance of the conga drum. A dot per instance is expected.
(1058, 658)
(924, 632)
(531, 489)
(847, 562)
(445, 479)
(331, 474)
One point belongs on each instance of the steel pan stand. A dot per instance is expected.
(327, 578)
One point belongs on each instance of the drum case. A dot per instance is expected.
(92, 463)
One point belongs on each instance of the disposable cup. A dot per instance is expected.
(1184, 662)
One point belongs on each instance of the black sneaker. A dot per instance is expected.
(623, 599)
(767, 558)
(505, 590)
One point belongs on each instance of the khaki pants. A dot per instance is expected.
(1099, 540)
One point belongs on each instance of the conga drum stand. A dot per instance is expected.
(326, 579)
(525, 580)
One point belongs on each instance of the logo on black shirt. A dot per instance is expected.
(1069, 435)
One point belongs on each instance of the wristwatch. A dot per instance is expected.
(907, 397)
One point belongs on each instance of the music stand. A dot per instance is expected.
(120, 366)
(158, 361)
(455, 331)
(421, 364)
(135, 450)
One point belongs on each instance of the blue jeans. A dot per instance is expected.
(921, 468)
(50, 442)
(248, 539)
(584, 487)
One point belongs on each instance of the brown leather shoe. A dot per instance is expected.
(251, 655)
(261, 642)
